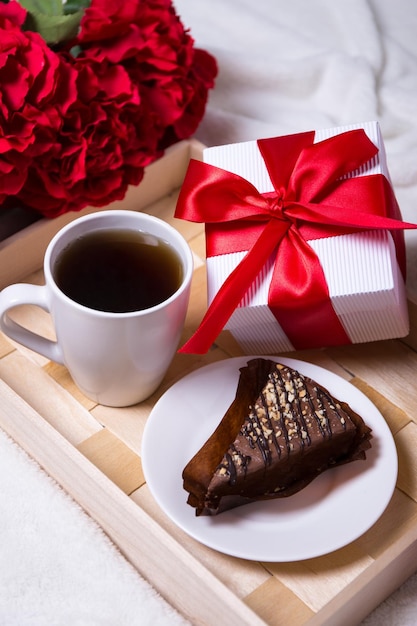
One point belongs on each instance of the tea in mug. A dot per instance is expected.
(118, 270)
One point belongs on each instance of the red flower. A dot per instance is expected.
(36, 89)
(99, 152)
(76, 131)
(149, 40)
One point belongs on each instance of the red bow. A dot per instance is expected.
(314, 197)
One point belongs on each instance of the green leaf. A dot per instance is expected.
(44, 7)
(54, 28)
(54, 20)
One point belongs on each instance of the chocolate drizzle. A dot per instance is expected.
(230, 463)
(284, 416)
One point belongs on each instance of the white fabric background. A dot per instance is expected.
(284, 67)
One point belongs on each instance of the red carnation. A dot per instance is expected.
(150, 41)
(36, 88)
(80, 122)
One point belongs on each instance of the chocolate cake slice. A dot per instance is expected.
(281, 431)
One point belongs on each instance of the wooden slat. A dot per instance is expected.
(400, 518)
(406, 442)
(241, 576)
(115, 459)
(277, 605)
(53, 402)
(388, 366)
(317, 581)
(396, 418)
(372, 586)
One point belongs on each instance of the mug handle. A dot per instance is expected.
(22, 293)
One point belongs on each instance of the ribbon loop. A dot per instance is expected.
(312, 197)
(276, 206)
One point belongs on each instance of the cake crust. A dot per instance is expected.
(281, 431)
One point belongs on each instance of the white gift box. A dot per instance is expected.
(365, 283)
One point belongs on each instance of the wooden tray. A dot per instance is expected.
(94, 453)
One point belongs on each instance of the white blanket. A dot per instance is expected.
(284, 67)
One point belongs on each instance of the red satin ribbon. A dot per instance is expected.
(311, 200)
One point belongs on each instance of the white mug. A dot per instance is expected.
(116, 359)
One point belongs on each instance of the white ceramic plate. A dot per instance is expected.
(335, 509)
